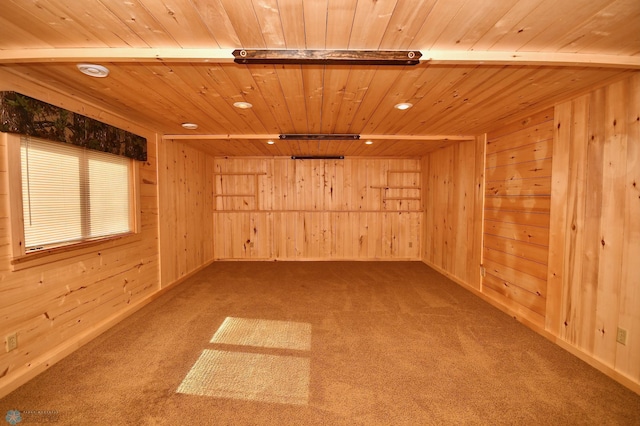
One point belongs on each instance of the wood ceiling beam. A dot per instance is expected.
(529, 58)
(225, 55)
(116, 54)
(276, 137)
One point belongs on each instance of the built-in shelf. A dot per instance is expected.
(384, 189)
(239, 173)
(255, 186)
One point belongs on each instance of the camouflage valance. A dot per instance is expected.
(27, 116)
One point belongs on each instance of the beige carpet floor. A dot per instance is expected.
(322, 343)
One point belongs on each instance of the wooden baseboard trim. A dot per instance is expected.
(577, 352)
(320, 259)
(43, 362)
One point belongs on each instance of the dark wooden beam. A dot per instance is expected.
(327, 57)
(321, 137)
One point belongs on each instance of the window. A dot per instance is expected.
(72, 194)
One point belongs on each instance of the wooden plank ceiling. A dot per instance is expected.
(451, 99)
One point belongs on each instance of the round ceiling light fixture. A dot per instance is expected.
(190, 126)
(93, 70)
(270, 142)
(242, 105)
(368, 143)
(402, 106)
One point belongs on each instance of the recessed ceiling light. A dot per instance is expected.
(93, 70)
(270, 142)
(242, 105)
(190, 126)
(368, 143)
(402, 106)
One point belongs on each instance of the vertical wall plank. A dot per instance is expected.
(558, 216)
(612, 221)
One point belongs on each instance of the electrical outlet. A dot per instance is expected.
(410, 244)
(12, 342)
(621, 337)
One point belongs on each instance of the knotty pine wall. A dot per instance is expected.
(63, 300)
(594, 277)
(516, 215)
(186, 206)
(284, 209)
(580, 224)
(453, 188)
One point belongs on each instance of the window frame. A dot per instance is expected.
(22, 259)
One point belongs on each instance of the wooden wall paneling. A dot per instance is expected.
(318, 185)
(363, 236)
(517, 198)
(337, 185)
(358, 185)
(299, 218)
(452, 181)
(585, 322)
(614, 161)
(597, 152)
(186, 208)
(221, 229)
(627, 356)
(265, 185)
(63, 300)
(427, 203)
(206, 213)
(444, 204)
(465, 185)
(193, 206)
(475, 231)
(317, 215)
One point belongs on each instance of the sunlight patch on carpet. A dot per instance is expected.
(249, 376)
(264, 333)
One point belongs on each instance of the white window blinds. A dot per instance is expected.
(72, 194)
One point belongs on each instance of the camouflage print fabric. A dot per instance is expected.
(27, 116)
